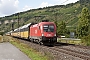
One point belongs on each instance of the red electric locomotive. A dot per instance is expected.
(43, 33)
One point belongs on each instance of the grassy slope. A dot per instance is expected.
(69, 14)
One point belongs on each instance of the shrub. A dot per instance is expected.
(86, 40)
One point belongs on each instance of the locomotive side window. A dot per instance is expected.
(48, 28)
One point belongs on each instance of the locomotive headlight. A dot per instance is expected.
(54, 34)
(42, 34)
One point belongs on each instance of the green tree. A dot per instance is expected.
(61, 28)
(83, 23)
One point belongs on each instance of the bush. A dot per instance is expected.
(1, 33)
(86, 40)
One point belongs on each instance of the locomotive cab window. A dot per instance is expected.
(48, 28)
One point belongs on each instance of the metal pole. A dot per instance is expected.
(18, 20)
(13, 26)
(18, 26)
(56, 19)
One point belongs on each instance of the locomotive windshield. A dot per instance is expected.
(48, 28)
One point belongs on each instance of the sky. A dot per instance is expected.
(9, 7)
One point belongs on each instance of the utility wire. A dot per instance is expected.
(64, 1)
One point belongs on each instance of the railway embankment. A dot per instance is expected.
(60, 51)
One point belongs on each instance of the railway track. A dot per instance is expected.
(62, 52)
(74, 53)
(83, 47)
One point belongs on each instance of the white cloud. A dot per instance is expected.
(8, 7)
(27, 8)
(44, 4)
(16, 3)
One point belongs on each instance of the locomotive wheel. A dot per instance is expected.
(32, 40)
(40, 43)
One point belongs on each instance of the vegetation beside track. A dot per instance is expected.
(70, 41)
(0, 38)
(31, 53)
(86, 40)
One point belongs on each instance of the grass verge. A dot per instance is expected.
(31, 53)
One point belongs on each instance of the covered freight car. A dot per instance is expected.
(22, 32)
